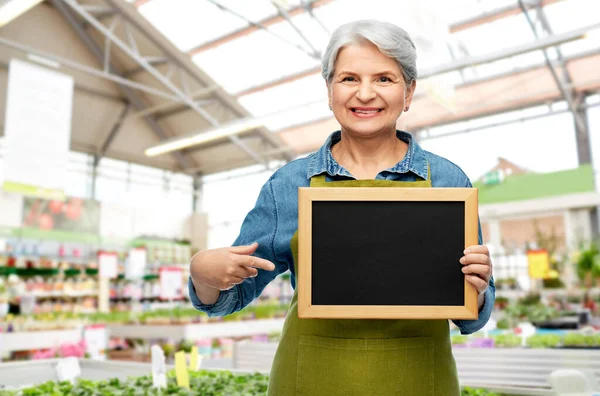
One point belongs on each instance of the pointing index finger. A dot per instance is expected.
(257, 262)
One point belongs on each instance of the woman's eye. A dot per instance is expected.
(348, 79)
(385, 79)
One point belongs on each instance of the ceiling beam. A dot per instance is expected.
(540, 67)
(112, 38)
(184, 62)
(458, 64)
(130, 94)
(281, 81)
(492, 16)
(567, 94)
(86, 90)
(266, 22)
(114, 131)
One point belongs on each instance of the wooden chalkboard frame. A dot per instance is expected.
(306, 196)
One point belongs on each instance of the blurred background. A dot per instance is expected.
(136, 133)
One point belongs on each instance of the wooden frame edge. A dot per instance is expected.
(306, 196)
(471, 238)
(304, 250)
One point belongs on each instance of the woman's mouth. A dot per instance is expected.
(365, 112)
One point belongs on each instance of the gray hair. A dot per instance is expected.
(391, 40)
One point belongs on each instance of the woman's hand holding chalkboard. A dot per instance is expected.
(224, 268)
(477, 267)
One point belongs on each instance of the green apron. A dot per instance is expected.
(350, 357)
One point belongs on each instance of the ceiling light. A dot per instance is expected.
(233, 128)
(11, 9)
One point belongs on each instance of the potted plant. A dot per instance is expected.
(4, 307)
(501, 302)
(587, 262)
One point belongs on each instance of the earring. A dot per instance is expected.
(330, 106)
(406, 108)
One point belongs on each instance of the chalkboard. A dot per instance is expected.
(385, 252)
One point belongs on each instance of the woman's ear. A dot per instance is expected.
(328, 86)
(410, 91)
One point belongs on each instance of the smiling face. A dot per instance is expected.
(368, 92)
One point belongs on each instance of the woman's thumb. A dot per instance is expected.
(244, 249)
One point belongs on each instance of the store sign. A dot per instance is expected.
(108, 265)
(37, 130)
(494, 177)
(539, 264)
(135, 265)
(171, 283)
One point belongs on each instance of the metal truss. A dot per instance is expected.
(105, 17)
(133, 52)
(565, 81)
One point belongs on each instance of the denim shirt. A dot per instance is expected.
(274, 219)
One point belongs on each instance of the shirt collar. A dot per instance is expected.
(414, 161)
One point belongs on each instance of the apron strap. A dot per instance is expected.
(321, 180)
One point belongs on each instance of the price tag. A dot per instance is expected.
(108, 265)
(194, 361)
(68, 369)
(96, 341)
(181, 370)
(171, 283)
(26, 304)
(159, 371)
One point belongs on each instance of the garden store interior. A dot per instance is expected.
(136, 133)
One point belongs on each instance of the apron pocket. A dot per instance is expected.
(342, 366)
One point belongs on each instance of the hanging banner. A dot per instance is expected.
(37, 130)
(75, 215)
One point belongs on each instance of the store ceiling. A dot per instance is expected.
(209, 57)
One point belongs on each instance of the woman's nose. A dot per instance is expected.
(365, 92)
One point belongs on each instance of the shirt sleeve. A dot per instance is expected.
(472, 326)
(260, 225)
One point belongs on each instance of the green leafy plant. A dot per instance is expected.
(543, 341)
(581, 340)
(459, 339)
(203, 382)
(587, 261)
(507, 340)
(468, 391)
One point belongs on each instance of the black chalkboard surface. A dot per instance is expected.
(385, 252)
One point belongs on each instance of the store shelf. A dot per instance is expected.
(18, 374)
(57, 294)
(197, 331)
(32, 372)
(29, 340)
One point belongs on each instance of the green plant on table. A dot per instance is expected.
(507, 340)
(203, 382)
(543, 341)
(587, 262)
(581, 340)
(459, 339)
(468, 391)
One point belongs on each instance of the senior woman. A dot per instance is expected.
(370, 72)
